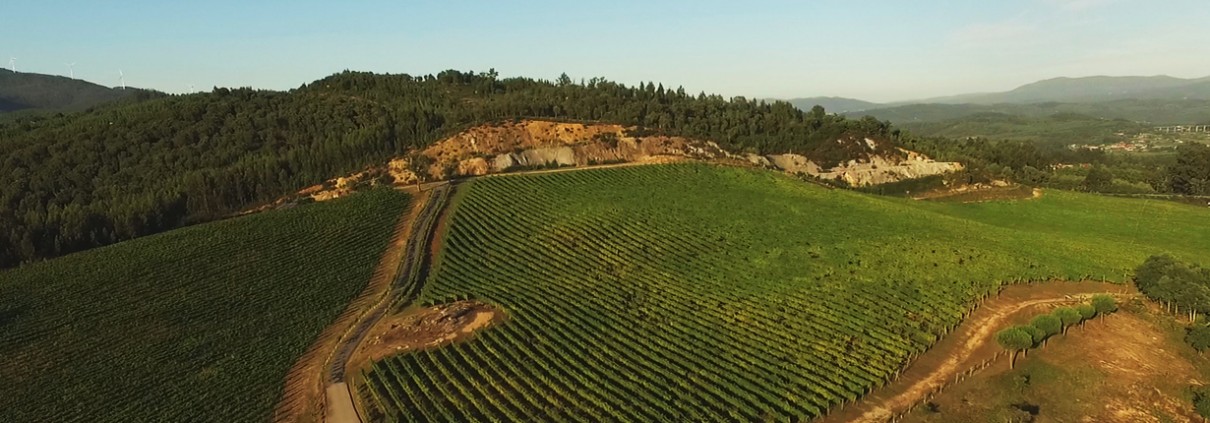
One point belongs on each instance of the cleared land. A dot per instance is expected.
(971, 344)
(1132, 367)
(695, 292)
(199, 324)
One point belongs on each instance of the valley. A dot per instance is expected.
(472, 246)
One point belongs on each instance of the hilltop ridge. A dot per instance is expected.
(22, 91)
(136, 168)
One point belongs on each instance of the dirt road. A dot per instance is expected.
(302, 397)
(408, 280)
(967, 346)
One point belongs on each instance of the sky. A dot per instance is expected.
(872, 50)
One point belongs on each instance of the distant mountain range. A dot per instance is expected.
(1091, 89)
(834, 104)
(1149, 99)
(1151, 111)
(21, 91)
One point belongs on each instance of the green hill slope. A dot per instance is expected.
(32, 91)
(74, 182)
(1058, 129)
(199, 324)
(698, 293)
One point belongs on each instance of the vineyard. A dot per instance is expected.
(199, 324)
(697, 293)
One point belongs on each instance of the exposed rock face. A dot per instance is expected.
(399, 170)
(562, 156)
(872, 171)
(502, 147)
(794, 163)
(527, 144)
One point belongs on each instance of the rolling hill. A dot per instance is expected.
(697, 292)
(143, 167)
(199, 324)
(660, 292)
(37, 92)
(1090, 89)
(1153, 111)
(1057, 129)
(1159, 100)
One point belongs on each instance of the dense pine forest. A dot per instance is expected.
(76, 181)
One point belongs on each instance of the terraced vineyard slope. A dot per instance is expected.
(693, 292)
(199, 324)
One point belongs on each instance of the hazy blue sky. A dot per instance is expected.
(875, 50)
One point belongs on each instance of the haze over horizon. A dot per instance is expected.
(877, 51)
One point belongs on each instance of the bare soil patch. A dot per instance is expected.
(981, 193)
(1127, 368)
(970, 344)
(427, 327)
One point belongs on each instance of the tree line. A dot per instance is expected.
(76, 181)
(1021, 338)
(1179, 287)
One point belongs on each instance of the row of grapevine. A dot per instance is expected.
(623, 310)
(198, 324)
(694, 292)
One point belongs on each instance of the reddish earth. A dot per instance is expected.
(421, 328)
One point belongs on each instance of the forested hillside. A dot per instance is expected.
(20, 91)
(82, 180)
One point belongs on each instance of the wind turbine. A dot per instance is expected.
(12, 64)
(122, 78)
(71, 69)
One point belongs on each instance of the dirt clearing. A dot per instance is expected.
(968, 345)
(1130, 367)
(427, 327)
(979, 193)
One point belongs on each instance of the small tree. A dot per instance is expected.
(1035, 336)
(1069, 316)
(1087, 311)
(1201, 401)
(419, 164)
(1098, 179)
(1038, 335)
(1048, 324)
(1198, 337)
(1104, 304)
(1014, 339)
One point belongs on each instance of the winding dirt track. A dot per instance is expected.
(966, 347)
(406, 284)
(302, 396)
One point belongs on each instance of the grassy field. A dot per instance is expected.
(199, 324)
(694, 292)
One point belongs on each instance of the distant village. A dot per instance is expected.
(1143, 142)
